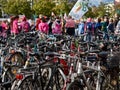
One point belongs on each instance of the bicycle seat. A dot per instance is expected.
(103, 54)
(94, 51)
(83, 43)
(93, 44)
(34, 54)
(29, 38)
(91, 58)
(51, 54)
(21, 45)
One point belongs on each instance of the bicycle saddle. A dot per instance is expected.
(51, 54)
(103, 54)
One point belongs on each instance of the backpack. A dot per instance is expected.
(89, 26)
(56, 28)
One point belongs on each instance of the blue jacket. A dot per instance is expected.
(81, 28)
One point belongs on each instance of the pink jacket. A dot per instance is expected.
(24, 25)
(70, 23)
(56, 28)
(4, 26)
(14, 29)
(43, 27)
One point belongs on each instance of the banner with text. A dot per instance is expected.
(79, 9)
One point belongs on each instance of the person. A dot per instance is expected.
(43, 26)
(5, 28)
(93, 28)
(57, 26)
(63, 21)
(98, 27)
(88, 29)
(70, 26)
(24, 25)
(104, 29)
(81, 27)
(50, 23)
(14, 25)
(111, 27)
(38, 21)
(0, 27)
(4, 25)
(117, 30)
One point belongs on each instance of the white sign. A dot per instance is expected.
(79, 9)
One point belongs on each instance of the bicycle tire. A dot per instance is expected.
(108, 84)
(93, 82)
(75, 86)
(46, 74)
(28, 84)
(14, 85)
(7, 75)
(56, 82)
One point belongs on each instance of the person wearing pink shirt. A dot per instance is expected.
(43, 26)
(24, 25)
(57, 26)
(5, 28)
(0, 26)
(4, 25)
(14, 27)
(70, 26)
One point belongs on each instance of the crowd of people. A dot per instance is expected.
(57, 25)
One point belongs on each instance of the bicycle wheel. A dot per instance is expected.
(93, 81)
(28, 84)
(109, 84)
(7, 75)
(75, 86)
(46, 74)
(56, 81)
(14, 85)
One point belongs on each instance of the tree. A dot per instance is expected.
(16, 7)
(0, 13)
(62, 7)
(96, 11)
(2, 2)
(43, 7)
(117, 9)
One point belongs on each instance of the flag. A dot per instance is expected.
(79, 9)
